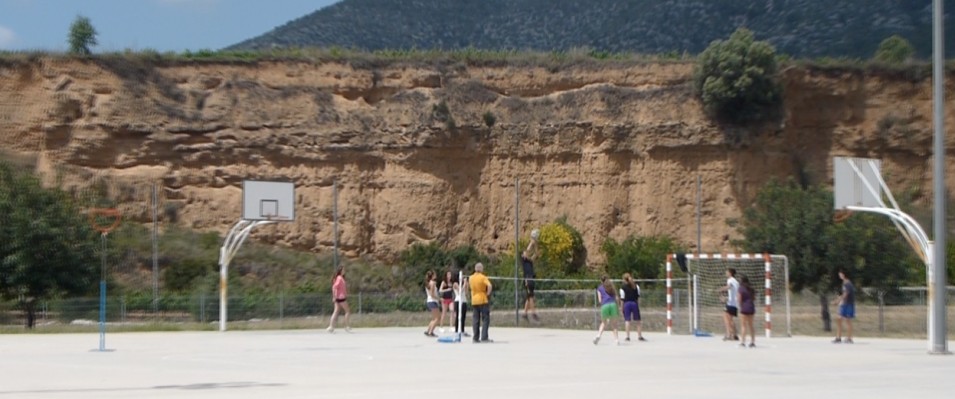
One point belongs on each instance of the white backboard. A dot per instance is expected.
(268, 200)
(850, 188)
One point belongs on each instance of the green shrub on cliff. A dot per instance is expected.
(894, 50)
(736, 79)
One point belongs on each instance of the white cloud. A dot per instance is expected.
(7, 38)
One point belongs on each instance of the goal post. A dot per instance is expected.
(707, 272)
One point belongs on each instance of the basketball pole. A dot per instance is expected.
(937, 279)
(237, 235)
(102, 296)
(517, 248)
(335, 224)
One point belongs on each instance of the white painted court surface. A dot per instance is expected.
(521, 363)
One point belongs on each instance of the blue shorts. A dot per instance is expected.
(847, 311)
(631, 311)
(433, 306)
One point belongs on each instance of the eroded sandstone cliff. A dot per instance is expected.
(432, 152)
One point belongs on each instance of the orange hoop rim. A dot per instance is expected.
(841, 215)
(105, 212)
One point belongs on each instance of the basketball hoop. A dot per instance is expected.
(841, 215)
(96, 214)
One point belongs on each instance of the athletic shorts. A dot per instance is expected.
(433, 306)
(609, 311)
(337, 300)
(529, 287)
(447, 301)
(631, 311)
(732, 310)
(847, 311)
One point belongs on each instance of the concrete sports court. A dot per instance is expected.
(403, 363)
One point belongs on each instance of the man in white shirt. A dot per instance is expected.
(732, 305)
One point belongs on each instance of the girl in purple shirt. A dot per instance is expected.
(609, 311)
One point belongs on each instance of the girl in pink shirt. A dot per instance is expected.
(340, 297)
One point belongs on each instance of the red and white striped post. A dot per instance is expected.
(769, 295)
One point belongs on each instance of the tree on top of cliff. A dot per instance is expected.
(736, 79)
(82, 36)
(894, 50)
(47, 248)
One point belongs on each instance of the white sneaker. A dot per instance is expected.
(330, 329)
(596, 340)
(441, 330)
(348, 329)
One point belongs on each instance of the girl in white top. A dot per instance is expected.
(460, 303)
(431, 291)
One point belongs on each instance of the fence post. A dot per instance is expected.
(281, 306)
(359, 302)
(122, 308)
(881, 295)
(202, 307)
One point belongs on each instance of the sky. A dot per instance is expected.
(162, 25)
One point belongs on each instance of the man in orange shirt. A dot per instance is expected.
(480, 292)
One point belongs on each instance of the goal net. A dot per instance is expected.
(705, 275)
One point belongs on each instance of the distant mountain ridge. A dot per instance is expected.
(801, 28)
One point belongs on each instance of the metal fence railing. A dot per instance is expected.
(898, 312)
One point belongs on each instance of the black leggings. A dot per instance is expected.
(459, 323)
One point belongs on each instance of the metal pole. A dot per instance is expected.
(335, 226)
(699, 214)
(517, 246)
(223, 288)
(939, 333)
(102, 298)
(155, 248)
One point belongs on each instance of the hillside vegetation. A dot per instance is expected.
(801, 28)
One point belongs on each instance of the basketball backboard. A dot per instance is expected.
(268, 200)
(851, 188)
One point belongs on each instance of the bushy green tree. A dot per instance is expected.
(82, 36)
(417, 260)
(464, 257)
(562, 250)
(797, 222)
(639, 256)
(736, 79)
(47, 247)
(894, 50)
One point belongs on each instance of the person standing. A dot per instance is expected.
(609, 311)
(340, 299)
(447, 298)
(460, 305)
(732, 291)
(431, 301)
(847, 308)
(527, 259)
(747, 308)
(480, 294)
(630, 294)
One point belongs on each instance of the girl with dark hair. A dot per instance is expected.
(608, 308)
(747, 308)
(340, 298)
(431, 292)
(447, 297)
(630, 294)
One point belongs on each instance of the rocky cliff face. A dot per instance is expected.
(432, 152)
